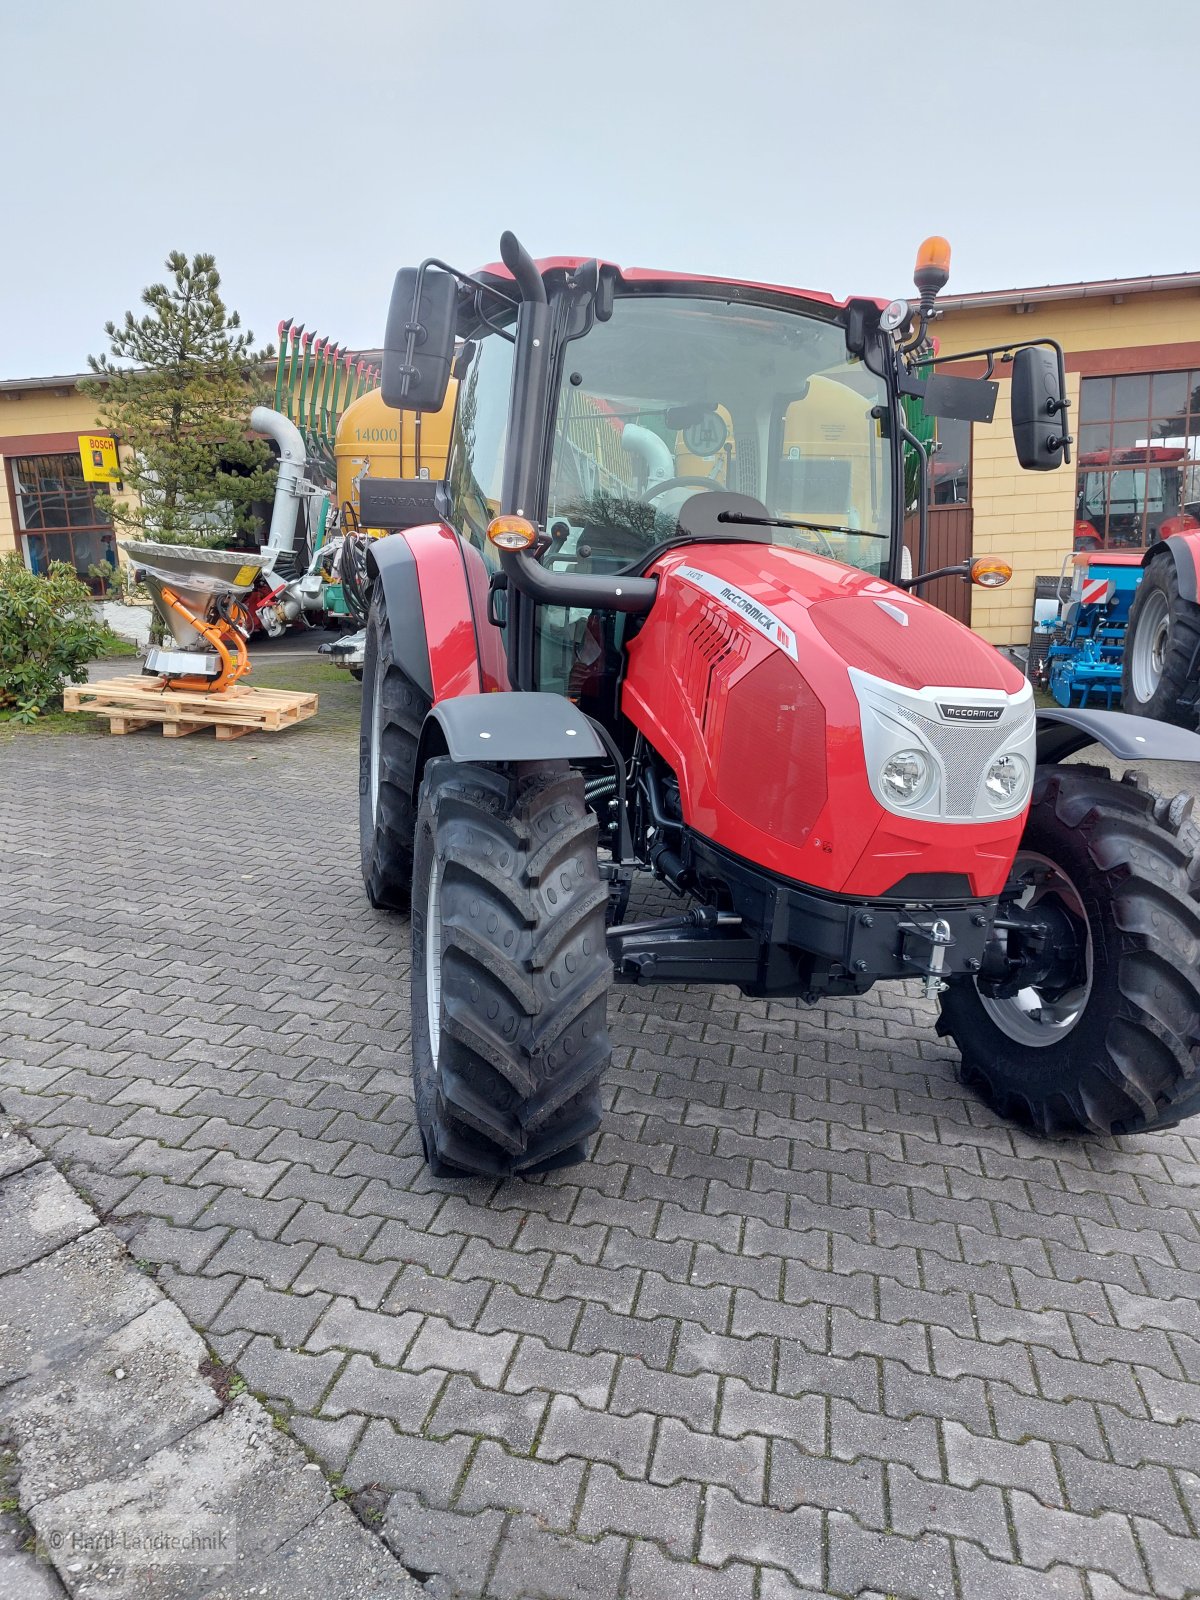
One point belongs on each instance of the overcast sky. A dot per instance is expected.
(316, 147)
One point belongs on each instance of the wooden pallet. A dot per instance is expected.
(132, 703)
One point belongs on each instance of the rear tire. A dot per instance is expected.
(1161, 644)
(393, 711)
(510, 971)
(1121, 1047)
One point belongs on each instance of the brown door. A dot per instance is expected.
(949, 543)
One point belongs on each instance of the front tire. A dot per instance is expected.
(510, 971)
(1115, 1048)
(393, 711)
(1161, 643)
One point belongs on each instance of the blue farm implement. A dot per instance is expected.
(1083, 664)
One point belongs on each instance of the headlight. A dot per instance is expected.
(905, 777)
(1005, 781)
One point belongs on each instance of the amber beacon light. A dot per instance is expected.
(932, 271)
(511, 533)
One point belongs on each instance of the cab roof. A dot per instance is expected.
(547, 264)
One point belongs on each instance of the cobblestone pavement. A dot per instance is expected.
(811, 1321)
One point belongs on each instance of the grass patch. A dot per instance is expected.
(116, 648)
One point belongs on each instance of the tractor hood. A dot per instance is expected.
(783, 688)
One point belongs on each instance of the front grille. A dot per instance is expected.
(966, 749)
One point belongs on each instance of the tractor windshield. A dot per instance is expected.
(676, 396)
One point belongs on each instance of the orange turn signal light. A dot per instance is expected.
(990, 572)
(511, 533)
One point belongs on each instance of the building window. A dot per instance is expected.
(1139, 459)
(951, 471)
(60, 516)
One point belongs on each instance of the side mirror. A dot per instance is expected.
(1039, 409)
(418, 345)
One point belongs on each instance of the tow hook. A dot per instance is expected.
(932, 940)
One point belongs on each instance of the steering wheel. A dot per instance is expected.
(679, 483)
(708, 483)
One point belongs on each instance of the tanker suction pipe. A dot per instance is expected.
(289, 484)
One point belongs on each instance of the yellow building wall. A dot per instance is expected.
(28, 413)
(1029, 517)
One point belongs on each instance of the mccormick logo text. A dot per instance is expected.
(971, 713)
(758, 616)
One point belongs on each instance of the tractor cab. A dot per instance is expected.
(693, 414)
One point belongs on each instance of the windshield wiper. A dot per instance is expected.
(794, 522)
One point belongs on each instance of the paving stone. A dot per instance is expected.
(553, 1322)
(256, 1309)
(983, 1578)
(498, 1480)
(233, 1477)
(798, 1479)
(860, 1558)
(513, 1419)
(1105, 1543)
(457, 1548)
(77, 1420)
(681, 1455)
(854, 1433)
(290, 1375)
(612, 1504)
(918, 1506)
(963, 1400)
(418, 1290)
(1143, 1490)
(537, 1565)
(334, 1558)
(788, 1539)
(264, 1217)
(573, 1430)
(58, 1308)
(587, 1378)
(651, 1573)
(394, 1460)
(246, 1255)
(640, 1388)
(39, 1211)
(971, 1460)
(346, 1326)
(483, 1355)
(1171, 1561)
(332, 1440)
(599, 1329)
(188, 1249)
(1019, 1417)
(406, 1398)
(334, 1274)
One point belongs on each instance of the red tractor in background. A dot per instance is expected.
(658, 620)
(1161, 666)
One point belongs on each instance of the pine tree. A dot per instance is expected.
(176, 390)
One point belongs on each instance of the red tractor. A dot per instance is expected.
(1161, 665)
(659, 620)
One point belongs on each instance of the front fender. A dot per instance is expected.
(1062, 731)
(393, 565)
(508, 726)
(1184, 550)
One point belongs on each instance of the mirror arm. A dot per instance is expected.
(960, 569)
